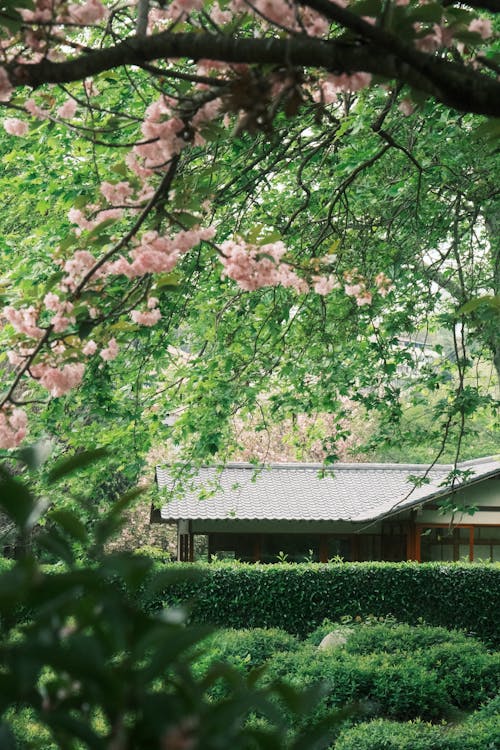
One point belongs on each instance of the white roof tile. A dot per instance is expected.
(297, 492)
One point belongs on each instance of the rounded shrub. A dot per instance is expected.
(252, 647)
(416, 735)
(242, 649)
(468, 672)
(400, 637)
(403, 689)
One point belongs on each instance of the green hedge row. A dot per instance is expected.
(298, 597)
(475, 734)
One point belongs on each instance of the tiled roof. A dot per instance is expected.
(296, 492)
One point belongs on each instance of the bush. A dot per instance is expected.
(490, 709)
(383, 686)
(250, 647)
(430, 684)
(389, 735)
(299, 597)
(469, 674)
(244, 650)
(400, 637)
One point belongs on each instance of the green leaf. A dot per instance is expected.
(367, 7)
(7, 741)
(34, 456)
(487, 300)
(16, 500)
(431, 13)
(74, 463)
(70, 523)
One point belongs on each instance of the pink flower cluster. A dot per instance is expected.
(328, 88)
(86, 14)
(355, 286)
(24, 321)
(157, 254)
(67, 110)
(76, 268)
(111, 351)
(13, 423)
(149, 317)
(166, 133)
(253, 267)
(62, 309)
(59, 380)
(5, 85)
(384, 284)
(15, 126)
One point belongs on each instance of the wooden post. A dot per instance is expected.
(257, 546)
(323, 548)
(418, 553)
(471, 544)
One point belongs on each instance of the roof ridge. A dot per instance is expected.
(360, 466)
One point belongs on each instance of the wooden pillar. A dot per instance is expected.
(354, 548)
(411, 542)
(257, 547)
(323, 548)
(418, 553)
(471, 544)
(190, 545)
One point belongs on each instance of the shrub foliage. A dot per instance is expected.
(298, 597)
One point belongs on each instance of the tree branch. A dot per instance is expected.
(451, 83)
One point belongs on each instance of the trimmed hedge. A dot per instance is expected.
(298, 597)
(428, 684)
(474, 734)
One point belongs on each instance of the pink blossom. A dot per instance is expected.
(32, 107)
(88, 13)
(77, 267)
(5, 86)
(314, 23)
(481, 26)
(325, 284)
(354, 82)
(59, 381)
(60, 322)
(146, 318)
(13, 423)
(406, 106)
(327, 92)
(352, 290)
(183, 7)
(24, 321)
(220, 17)
(153, 302)
(52, 302)
(76, 216)
(110, 352)
(167, 134)
(90, 348)
(117, 193)
(90, 88)
(364, 298)
(384, 284)
(67, 110)
(157, 254)
(15, 126)
(279, 11)
(254, 266)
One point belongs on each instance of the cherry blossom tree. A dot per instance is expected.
(167, 87)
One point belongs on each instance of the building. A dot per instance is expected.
(355, 512)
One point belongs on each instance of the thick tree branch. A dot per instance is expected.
(452, 84)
